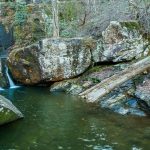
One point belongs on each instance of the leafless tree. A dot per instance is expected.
(55, 18)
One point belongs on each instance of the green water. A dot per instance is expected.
(58, 121)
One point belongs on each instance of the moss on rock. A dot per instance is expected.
(8, 112)
(131, 25)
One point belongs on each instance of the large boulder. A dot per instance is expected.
(8, 112)
(50, 60)
(121, 41)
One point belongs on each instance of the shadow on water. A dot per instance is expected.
(59, 121)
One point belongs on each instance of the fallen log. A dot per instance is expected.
(98, 91)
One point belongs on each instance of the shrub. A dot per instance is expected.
(140, 10)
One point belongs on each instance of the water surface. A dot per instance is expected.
(58, 121)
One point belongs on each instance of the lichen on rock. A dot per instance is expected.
(51, 59)
(3, 80)
(8, 112)
(121, 41)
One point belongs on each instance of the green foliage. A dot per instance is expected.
(21, 13)
(92, 79)
(25, 22)
(140, 9)
(68, 17)
(7, 14)
(3, 82)
(67, 29)
(95, 80)
(96, 69)
(68, 12)
(131, 25)
(28, 33)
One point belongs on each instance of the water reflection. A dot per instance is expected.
(59, 121)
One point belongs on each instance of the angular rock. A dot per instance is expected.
(8, 112)
(68, 86)
(122, 104)
(143, 91)
(75, 89)
(61, 86)
(121, 41)
(50, 60)
(121, 101)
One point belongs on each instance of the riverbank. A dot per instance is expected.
(53, 60)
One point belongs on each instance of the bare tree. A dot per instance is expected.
(55, 18)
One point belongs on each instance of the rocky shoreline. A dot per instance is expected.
(65, 65)
(125, 99)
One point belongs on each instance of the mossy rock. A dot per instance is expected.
(8, 112)
(131, 25)
(3, 82)
(25, 58)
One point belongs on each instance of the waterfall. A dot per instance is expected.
(1, 89)
(11, 83)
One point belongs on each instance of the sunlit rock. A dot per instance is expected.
(121, 41)
(69, 86)
(50, 60)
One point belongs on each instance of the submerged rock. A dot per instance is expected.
(68, 86)
(50, 60)
(143, 93)
(119, 102)
(8, 112)
(121, 41)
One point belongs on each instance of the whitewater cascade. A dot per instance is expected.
(11, 82)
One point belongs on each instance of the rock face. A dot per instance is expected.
(80, 84)
(121, 41)
(56, 59)
(127, 99)
(50, 60)
(6, 38)
(122, 102)
(143, 91)
(69, 86)
(8, 112)
(3, 81)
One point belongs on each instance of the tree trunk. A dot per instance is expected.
(98, 91)
(55, 18)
